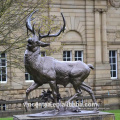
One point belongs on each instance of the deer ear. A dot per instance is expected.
(42, 44)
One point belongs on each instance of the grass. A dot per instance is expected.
(10, 118)
(116, 112)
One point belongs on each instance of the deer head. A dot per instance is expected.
(35, 41)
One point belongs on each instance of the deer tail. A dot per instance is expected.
(90, 66)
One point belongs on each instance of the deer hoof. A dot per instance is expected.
(57, 108)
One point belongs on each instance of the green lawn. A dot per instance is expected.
(10, 118)
(116, 112)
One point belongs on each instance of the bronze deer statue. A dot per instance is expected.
(49, 70)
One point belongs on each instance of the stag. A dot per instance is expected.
(49, 70)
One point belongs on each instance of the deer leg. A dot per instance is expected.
(54, 92)
(73, 97)
(86, 85)
(78, 92)
(89, 90)
(31, 88)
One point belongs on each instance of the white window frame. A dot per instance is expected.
(66, 55)
(110, 57)
(26, 73)
(77, 57)
(4, 67)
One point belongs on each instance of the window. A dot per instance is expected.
(78, 55)
(29, 77)
(2, 107)
(67, 56)
(113, 63)
(3, 68)
(42, 53)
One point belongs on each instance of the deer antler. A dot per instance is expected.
(31, 28)
(28, 23)
(53, 35)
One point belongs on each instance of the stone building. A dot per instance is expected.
(93, 36)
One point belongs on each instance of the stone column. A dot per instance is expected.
(104, 37)
(98, 54)
(102, 71)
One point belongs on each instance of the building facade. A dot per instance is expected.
(93, 36)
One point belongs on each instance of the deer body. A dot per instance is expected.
(45, 69)
(49, 70)
(71, 72)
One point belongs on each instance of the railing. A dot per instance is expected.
(17, 106)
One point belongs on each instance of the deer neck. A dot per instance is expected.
(31, 56)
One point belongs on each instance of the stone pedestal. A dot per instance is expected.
(97, 116)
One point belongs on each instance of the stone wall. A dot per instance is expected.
(92, 26)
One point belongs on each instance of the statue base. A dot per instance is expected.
(51, 115)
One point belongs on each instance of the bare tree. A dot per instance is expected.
(13, 35)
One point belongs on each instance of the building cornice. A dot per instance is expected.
(100, 10)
